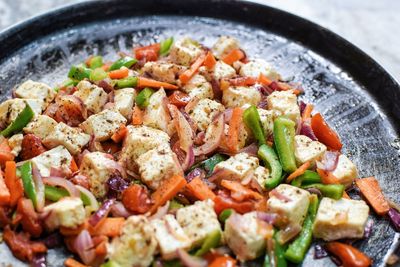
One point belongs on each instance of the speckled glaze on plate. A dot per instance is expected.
(357, 97)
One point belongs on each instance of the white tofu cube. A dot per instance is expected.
(35, 90)
(158, 164)
(156, 115)
(135, 246)
(238, 167)
(267, 121)
(243, 237)
(284, 103)
(98, 167)
(10, 109)
(40, 126)
(199, 87)
(224, 45)
(305, 149)
(257, 66)
(15, 143)
(203, 113)
(93, 96)
(124, 99)
(164, 72)
(198, 220)
(58, 157)
(184, 51)
(238, 96)
(343, 218)
(169, 240)
(222, 70)
(295, 209)
(261, 174)
(346, 171)
(103, 124)
(68, 212)
(138, 141)
(74, 139)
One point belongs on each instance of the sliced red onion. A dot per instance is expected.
(302, 106)
(84, 246)
(288, 233)
(393, 204)
(279, 196)
(57, 181)
(191, 104)
(59, 172)
(250, 149)
(320, 252)
(299, 124)
(314, 191)
(394, 217)
(307, 130)
(199, 139)
(93, 201)
(254, 184)
(106, 86)
(197, 172)
(115, 185)
(189, 159)
(213, 142)
(368, 228)
(39, 260)
(109, 105)
(189, 260)
(192, 124)
(101, 212)
(119, 210)
(228, 115)
(267, 217)
(216, 87)
(161, 212)
(39, 187)
(53, 240)
(329, 161)
(183, 128)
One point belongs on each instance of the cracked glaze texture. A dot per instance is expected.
(363, 120)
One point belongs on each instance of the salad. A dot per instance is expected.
(177, 154)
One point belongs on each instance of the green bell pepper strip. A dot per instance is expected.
(23, 118)
(127, 82)
(110, 263)
(270, 158)
(27, 181)
(211, 241)
(79, 73)
(284, 132)
(123, 62)
(165, 46)
(225, 214)
(252, 120)
(95, 62)
(298, 249)
(98, 75)
(143, 98)
(209, 164)
(334, 191)
(308, 177)
(279, 253)
(174, 205)
(54, 194)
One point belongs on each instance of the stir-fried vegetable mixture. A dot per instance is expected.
(177, 154)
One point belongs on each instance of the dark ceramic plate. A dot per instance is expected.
(358, 98)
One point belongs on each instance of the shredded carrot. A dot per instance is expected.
(4, 192)
(233, 56)
(110, 226)
(73, 167)
(5, 152)
(66, 231)
(199, 189)
(119, 74)
(101, 249)
(300, 170)
(371, 190)
(137, 116)
(70, 262)
(120, 134)
(209, 61)
(245, 193)
(189, 73)
(307, 111)
(14, 185)
(345, 195)
(146, 82)
(264, 80)
(233, 131)
(327, 177)
(296, 91)
(167, 190)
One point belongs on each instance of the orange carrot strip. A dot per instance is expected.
(210, 61)
(73, 167)
(327, 177)
(101, 249)
(4, 192)
(110, 226)
(146, 82)
(238, 187)
(167, 190)
(300, 170)
(5, 152)
(296, 91)
(234, 127)
(199, 189)
(264, 80)
(189, 73)
(13, 184)
(66, 231)
(120, 134)
(371, 190)
(307, 111)
(137, 116)
(70, 262)
(233, 56)
(119, 74)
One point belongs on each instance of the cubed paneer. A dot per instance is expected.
(261, 174)
(68, 212)
(284, 103)
(98, 167)
(158, 164)
(40, 126)
(224, 45)
(198, 220)
(58, 157)
(35, 90)
(156, 115)
(293, 207)
(138, 141)
(305, 149)
(184, 51)
(242, 235)
(346, 171)
(199, 87)
(103, 124)
(343, 218)
(124, 99)
(253, 68)
(222, 70)
(238, 166)
(238, 96)
(169, 240)
(10, 109)
(267, 121)
(93, 96)
(15, 143)
(136, 245)
(74, 139)
(203, 113)
(162, 71)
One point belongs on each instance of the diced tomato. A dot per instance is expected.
(179, 98)
(31, 147)
(147, 53)
(30, 219)
(223, 261)
(324, 133)
(136, 199)
(224, 201)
